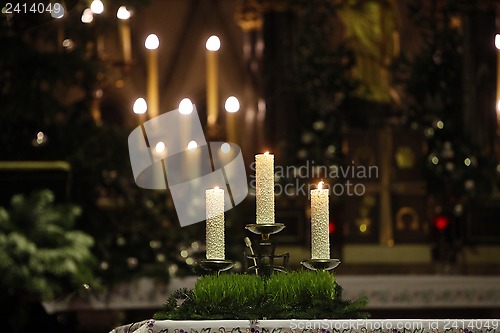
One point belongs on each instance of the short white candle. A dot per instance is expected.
(264, 187)
(320, 238)
(215, 223)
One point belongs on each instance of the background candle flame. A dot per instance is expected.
(213, 43)
(152, 42)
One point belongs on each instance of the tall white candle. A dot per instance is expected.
(215, 223)
(264, 187)
(320, 238)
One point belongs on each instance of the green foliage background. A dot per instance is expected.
(42, 256)
(40, 252)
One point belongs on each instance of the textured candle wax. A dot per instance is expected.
(320, 241)
(215, 223)
(264, 187)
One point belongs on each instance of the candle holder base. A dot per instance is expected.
(215, 265)
(320, 264)
(265, 259)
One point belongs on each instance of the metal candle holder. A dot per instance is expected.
(265, 229)
(215, 265)
(264, 258)
(320, 264)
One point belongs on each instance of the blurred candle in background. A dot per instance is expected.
(212, 45)
(186, 109)
(140, 107)
(152, 43)
(232, 106)
(123, 14)
(97, 7)
(497, 45)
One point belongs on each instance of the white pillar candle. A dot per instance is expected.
(264, 187)
(320, 238)
(215, 223)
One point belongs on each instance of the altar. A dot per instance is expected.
(382, 291)
(221, 302)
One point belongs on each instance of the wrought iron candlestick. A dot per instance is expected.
(264, 258)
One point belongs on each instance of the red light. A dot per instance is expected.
(331, 227)
(441, 222)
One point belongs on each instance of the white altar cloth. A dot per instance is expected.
(313, 326)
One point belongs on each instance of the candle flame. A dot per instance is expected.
(216, 187)
(123, 13)
(186, 106)
(87, 16)
(160, 147)
(320, 185)
(140, 106)
(232, 104)
(266, 153)
(192, 145)
(152, 42)
(97, 7)
(213, 43)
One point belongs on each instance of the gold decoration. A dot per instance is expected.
(407, 216)
(405, 157)
(456, 22)
(248, 15)
(370, 26)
